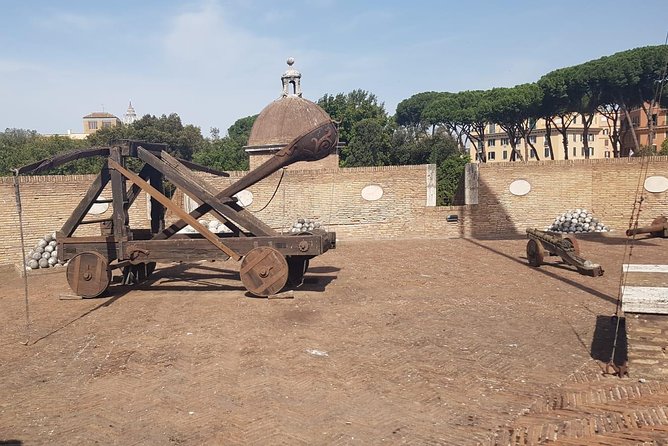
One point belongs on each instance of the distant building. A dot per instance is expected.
(497, 144)
(641, 127)
(99, 120)
(130, 115)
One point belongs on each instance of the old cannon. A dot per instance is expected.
(658, 228)
(542, 244)
(269, 260)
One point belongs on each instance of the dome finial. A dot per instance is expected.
(291, 77)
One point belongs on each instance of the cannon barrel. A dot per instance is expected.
(657, 228)
(541, 235)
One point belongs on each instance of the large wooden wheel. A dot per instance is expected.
(535, 253)
(88, 274)
(264, 271)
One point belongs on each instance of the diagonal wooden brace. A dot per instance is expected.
(177, 210)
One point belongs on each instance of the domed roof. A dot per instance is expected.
(285, 119)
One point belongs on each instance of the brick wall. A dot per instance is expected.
(647, 336)
(605, 186)
(333, 196)
(47, 202)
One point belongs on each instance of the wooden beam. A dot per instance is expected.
(645, 299)
(638, 268)
(118, 195)
(94, 190)
(177, 210)
(199, 190)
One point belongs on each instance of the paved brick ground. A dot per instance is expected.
(395, 342)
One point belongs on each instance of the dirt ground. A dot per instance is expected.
(388, 342)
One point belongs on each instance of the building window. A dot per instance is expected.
(575, 137)
(491, 155)
(532, 139)
(591, 151)
(504, 141)
(547, 152)
(605, 143)
(546, 142)
(607, 154)
(654, 120)
(92, 125)
(491, 142)
(532, 154)
(581, 137)
(575, 120)
(492, 128)
(605, 131)
(106, 124)
(505, 154)
(590, 137)
(575, 152)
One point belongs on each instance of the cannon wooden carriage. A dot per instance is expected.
(270, 260)
(542, 244)
(658, 228)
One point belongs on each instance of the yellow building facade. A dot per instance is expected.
(498, 149)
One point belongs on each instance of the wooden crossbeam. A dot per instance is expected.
(86, 202)
(176, 209)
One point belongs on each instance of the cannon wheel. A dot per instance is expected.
(535, 253)
(264, 271)
(88, 274)
(574, 243)
(297, 266)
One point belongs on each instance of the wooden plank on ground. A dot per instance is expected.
(645, 299)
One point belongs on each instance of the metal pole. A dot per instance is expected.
(17, 195)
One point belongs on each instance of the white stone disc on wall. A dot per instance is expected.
(520, 187)
(372, 192)
(656, 183)
(245, 197)
(99, 208)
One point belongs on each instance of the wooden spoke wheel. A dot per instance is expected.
(297, 266)
(535, 253)
(264, 271)
(88, 274)
(573, 243)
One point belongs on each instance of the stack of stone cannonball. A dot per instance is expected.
(577, 221)
(44, 254)
(304, 225)
(212, 225)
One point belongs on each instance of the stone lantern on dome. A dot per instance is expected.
(283, 120)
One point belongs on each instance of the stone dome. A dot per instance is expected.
(283, 120)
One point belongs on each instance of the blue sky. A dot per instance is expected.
(214, 61)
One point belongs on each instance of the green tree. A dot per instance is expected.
(349, 110)
(182, 140)
(515, 110)
(450, 174)
(369, 145)
(21, 147)
(227, 153)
